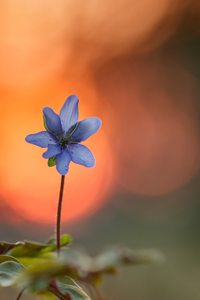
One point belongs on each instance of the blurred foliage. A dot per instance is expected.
(36, 268)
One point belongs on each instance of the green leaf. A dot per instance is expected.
(52, 161)
(124, 256)
(93, 268)
(8, 273)
(28, 249)
(46, 296)
(4, 258)
(29, 261)
(6, 247)
(73, 290)
(38, 276)
(28, 253)
(33, 249)
(65, 240)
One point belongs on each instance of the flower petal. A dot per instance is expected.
(81, 155)
(62, 162)
(69, 112)
(41, 139)
(53, 150)
(86, 128)
(52, 121)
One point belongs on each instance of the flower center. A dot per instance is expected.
(64, 142)
(66, 138)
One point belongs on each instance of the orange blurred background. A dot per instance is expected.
(135, 64)
(106, 55)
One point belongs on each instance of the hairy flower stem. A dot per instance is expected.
(20, 295)
(59, 212)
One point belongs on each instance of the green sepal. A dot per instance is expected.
(52, 161)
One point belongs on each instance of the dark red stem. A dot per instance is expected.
(20, 295)
(59, 213)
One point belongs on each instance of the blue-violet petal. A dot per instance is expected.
(86, 128)
(52, 150)
(69, 113)
(62, 162)
(41, 139)
(81, 155)
(53, 121)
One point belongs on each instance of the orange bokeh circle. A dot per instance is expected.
(31, 188)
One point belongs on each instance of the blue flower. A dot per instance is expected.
(63, 136)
